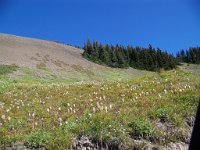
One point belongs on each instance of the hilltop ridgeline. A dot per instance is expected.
(122, 57)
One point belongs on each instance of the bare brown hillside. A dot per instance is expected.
(29, 52)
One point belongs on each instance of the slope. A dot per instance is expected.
(46, 59)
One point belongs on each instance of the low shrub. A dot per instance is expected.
(38, 139)
(6, 69)
(141, 128)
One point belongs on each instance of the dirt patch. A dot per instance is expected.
(79, 68)
(41, 66)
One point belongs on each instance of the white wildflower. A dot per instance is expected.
(110, 106)
(9, 118)
(3, 117)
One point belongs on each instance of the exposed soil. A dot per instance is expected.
(28, 52)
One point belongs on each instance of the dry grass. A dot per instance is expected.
(41, 66)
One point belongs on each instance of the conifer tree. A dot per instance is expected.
(140, 58)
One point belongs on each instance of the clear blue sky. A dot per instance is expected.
(168, 24)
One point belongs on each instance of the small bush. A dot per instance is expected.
(163, 113)
(38, 139)
(6, 141)
(190, 99)
(41, 66)
(60, 139)
(6, 69)
(141, 128)
(100, 128)
(14, 123)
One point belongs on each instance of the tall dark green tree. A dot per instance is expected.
(192, 55)
(141, 58)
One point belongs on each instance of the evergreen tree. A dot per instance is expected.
(192, 55)
(140, 58)
(103, 54)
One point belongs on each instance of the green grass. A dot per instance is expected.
(6, 69)
(51, 112)
(141, 128)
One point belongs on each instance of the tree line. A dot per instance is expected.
(192, 55)
(122, 57)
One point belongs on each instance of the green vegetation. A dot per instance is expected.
(141, 128)
(150, 59)
(189, 56)
(6, 69)
(52, 113)
(38, 139)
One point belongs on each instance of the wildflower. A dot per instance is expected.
(33, 115)
(98, 105)
(70, 108)
(60, 119)
(3, 117)
(165, 91)
(9, 118)
(93, 109)
(106, 109)
(100, 108)
(110, 106)
(48, 110)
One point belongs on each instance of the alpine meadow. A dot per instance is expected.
(55, 96)
(99, 74)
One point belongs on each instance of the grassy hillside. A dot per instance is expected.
(52, 98)
(54, 62)
(53, 113)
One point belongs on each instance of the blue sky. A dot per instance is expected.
(168, 24)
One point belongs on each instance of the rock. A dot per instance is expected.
(176, 146)
(145, 145)
(190, 121)
(17, 146)
(84, 143)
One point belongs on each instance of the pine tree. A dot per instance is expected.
(103, 54)
(140, 58)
